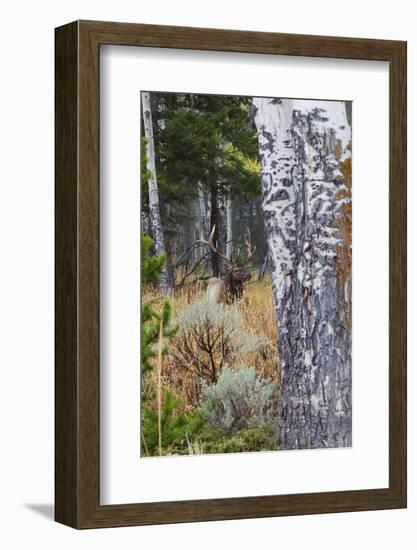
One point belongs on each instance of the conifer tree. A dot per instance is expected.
(151, 268)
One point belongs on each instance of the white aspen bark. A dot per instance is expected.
(154, 214)
(324, 135)
(229, 232)
(279, 195)
(145, 223)
(198, 250)
(216, 222)
(222, 226)
(300, 148)
(205, 211)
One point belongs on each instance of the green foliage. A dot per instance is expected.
(247, 171)
(151, 323)
(151, 266)
(145, 174)
(205, 139)
(240, 400)
(200, 145)
(213, 442)
(176, 426)
(254, 439)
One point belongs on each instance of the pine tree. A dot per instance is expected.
(151, 322)
(151, 268)
(204, 147)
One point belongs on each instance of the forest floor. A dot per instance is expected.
(182, 382)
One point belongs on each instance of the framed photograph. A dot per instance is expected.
(230, 274)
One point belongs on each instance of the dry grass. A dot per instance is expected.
(259, 311)
(257, 307)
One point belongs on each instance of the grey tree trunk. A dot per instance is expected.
(145, 223)
(222, 225)
(215, 220)
(154, 213)
(301, 147)
(263, 267)
(205, 213)
(229, 231)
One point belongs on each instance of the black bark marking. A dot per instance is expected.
(280, 195)
(270, 139)
(315, 401)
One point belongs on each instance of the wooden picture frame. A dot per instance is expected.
(77, 382)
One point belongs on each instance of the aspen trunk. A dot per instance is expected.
(229, 231)
(215, 220)
(301, 147)
(222, 228)
(154, 213)
(205, 210)
(263, 267)
(145, 223)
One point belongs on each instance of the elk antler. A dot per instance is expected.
(212, 247)
(249, 251)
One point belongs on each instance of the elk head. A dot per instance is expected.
(228, 288)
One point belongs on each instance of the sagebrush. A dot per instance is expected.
(240, 400)
(210, 336)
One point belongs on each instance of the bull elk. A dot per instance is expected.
(229, 287)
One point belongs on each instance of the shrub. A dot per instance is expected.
(254, 439)
(176, 425)
(210, 336)
(240, 400)
(245, 441)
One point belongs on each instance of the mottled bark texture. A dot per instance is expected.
(145, 222)
(302, 145)
(222, 225)
(205, 210)
(215, 221)
(154, 213)
(229, 228)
